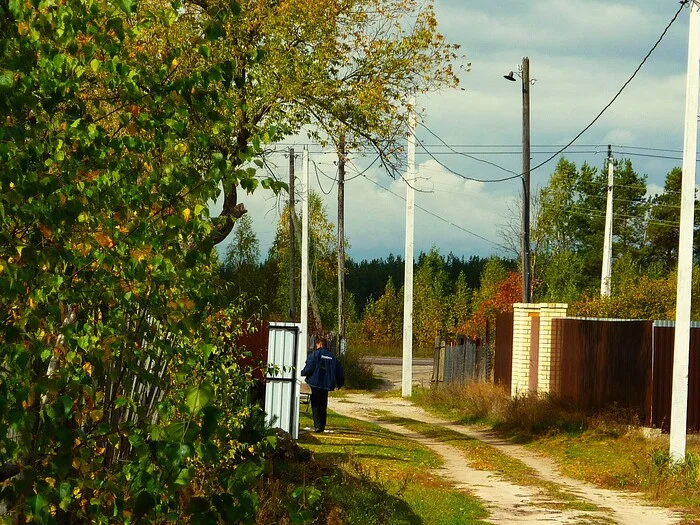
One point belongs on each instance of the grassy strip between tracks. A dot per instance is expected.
(482, 456)
(382, 478)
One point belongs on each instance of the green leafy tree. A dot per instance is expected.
(430, 299)
(460, 303)
(635, 296)
(322, 268)
(571, 224)
(367, 279)
(664, 222)
(242, 268)
(382, 321)
(117, 394)
(385, 49)
(244, 248)
(562, 279)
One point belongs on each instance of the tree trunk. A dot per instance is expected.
(292, 254)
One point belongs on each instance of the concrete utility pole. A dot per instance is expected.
(305, 257)
(607, 242)
(527, 290)
(407, 368)
(681, 349)
(292, 254)
(341, 243)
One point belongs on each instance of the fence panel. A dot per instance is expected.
(457, 363)
(503, 360)
(663, 378)
(605, 362)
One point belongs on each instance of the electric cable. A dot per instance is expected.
(650, 155)
(317, 169)
(438, 216)
(361, 173)
(461, 153)
(663, 34)
(504, 179)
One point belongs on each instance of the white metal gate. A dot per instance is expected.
(285, 359)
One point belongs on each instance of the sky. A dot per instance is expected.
(581, 53)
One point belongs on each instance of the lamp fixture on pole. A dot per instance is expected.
(524, 74)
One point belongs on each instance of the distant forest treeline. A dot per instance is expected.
(368, 279)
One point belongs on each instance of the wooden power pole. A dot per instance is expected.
(292, 254)
(341, 242)
(527, 290)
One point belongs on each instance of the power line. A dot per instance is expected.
(650, 155)
(625, 146)
(514, 149)
(495, 153)
(571, 210)
(438, 216)
(663, 34)
(463, 154)
(442, 143)
(361, 173)
(334, 179)
(516, 176)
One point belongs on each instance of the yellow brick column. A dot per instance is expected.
(521, 347)
(549, 348)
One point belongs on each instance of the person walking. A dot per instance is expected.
(323, 372)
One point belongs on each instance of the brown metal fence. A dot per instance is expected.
(664, 334)
(611, 362)
(503, 358)
(606, 363)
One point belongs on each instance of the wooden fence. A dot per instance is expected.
(460, 362)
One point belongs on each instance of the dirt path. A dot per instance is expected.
(506, 501)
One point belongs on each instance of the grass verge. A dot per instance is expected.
(363, 474)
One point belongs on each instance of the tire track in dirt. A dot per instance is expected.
(506, 501)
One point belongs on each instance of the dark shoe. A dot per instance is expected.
(318, 431)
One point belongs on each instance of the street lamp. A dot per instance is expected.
(524, 74)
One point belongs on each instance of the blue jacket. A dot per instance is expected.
(323, 370)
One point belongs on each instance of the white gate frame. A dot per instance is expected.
(286, 353)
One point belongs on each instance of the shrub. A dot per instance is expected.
(536, 414)
(472, 402)
(359, 373)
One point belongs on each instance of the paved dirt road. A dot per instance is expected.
(506, 501)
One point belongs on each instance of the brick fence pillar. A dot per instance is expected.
(548, 348)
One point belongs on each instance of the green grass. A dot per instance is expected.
(383, 478)
(630, 462)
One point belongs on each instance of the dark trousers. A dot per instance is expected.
(319, 408)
